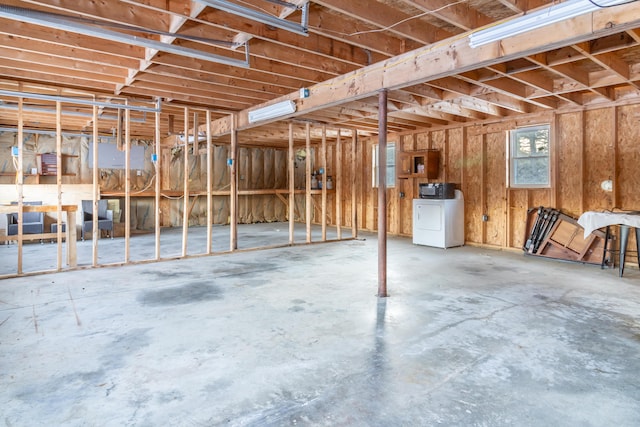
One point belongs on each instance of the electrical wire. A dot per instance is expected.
(604, 6)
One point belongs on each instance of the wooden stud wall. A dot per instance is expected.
(588, 147)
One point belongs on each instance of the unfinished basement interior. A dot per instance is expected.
(327, 213)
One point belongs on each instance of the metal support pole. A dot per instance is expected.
(382, 194)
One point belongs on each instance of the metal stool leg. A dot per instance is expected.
(624, 238)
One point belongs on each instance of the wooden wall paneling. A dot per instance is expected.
(598, 145)
(407, 142)
(473, 188)
(406, 206)
(553, 162)
(370, 204)
(518, 206)
(495, 185)
(445, 158)
(453, 159)
(539, 196)
(437, 142)
(568, 186)
(422, 141)
(627, 177)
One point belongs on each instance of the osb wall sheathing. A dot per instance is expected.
(472, 187)
(588, 147)
(495, 189)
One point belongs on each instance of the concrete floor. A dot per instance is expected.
(296, 336)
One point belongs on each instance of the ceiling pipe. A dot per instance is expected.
(77, 100)
(58, 22)
(262, 17)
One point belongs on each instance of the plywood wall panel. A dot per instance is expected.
(423, 141)
(495, 189)
(454, 156)
(627, 179)
(472, 170)
(569, 163)
(598, 146)
(407, 142)
(519, 204)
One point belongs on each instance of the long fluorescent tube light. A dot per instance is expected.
(54, 21)
(540, 18)
(272, 111)
(265, 18)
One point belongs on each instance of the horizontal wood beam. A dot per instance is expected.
(451, 57)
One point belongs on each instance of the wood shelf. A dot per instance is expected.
(418, 164)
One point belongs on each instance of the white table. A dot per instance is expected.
(593, 220)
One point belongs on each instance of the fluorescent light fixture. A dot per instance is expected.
(537, 19)
(265, 18)
(272, 111)
(58, 22)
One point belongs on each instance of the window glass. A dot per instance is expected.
(391, 165)
(529, 160)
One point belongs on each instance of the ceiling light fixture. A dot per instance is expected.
(59, 22)
(265, 18)
(537, 19)
(272, 111)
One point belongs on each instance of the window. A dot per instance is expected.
(391, 165)
(529, 161)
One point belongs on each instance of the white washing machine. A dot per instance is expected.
(439, 222)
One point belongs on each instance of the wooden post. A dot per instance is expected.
(95, 191)
(338, 186)
(185, 184)
(292, 188)
(614, 153)
(233, 203)
(127, 188)
(324, 183)
(354, 203)
(308, 182)
(382, 194)
(209, 182)
(483, 191)
(20, 179)
(157, 175)
(59, 182)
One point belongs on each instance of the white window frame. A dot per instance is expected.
(514, 158)
(391, 165)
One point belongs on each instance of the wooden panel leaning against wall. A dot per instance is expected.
(587, 148)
